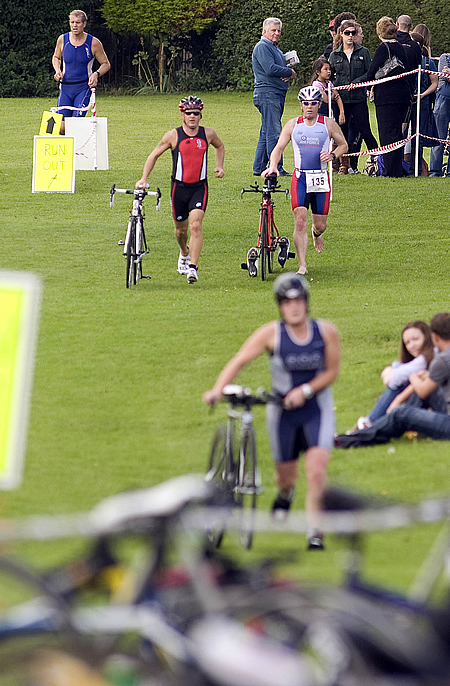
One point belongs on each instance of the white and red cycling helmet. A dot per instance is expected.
(190, 103)
(310, 93)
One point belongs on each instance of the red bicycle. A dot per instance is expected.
(269, 239)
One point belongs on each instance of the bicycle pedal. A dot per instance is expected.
(291, 255)
(244, 265)
(146, 277)
(121, 243)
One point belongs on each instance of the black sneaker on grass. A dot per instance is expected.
(283, 243)
(280, 507)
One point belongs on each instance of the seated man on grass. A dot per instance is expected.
(431, 391)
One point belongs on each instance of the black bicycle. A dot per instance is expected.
(232, 464)
(269, 239)
(135, 243)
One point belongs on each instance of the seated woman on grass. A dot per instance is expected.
(416, 353)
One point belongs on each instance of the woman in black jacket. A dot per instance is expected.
(391, 98)
(349, 63)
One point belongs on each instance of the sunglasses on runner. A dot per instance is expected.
(310, 102)
(194, 112)
(349, 33)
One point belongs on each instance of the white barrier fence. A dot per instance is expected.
(91, 136)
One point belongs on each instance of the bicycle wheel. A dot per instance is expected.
(273, 242)
(217, 474)
(264, 247)
(270, 260)
(130, 251)
(139, 248)
(247, 485)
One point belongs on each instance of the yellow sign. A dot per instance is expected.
(54, 164)
(20, 296)
(50, 124)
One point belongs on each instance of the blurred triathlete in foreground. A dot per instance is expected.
(189, 196)
(311, 134)
(304, 362)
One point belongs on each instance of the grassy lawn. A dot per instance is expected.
(120, 374)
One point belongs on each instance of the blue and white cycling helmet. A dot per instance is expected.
(310, 93)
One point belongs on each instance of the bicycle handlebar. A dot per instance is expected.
(239, 395)
(137, 192)
(267, 188)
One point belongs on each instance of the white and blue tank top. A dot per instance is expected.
(308, 142)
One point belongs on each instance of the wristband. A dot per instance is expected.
(307, 391)
(333, 155)
(98, 73)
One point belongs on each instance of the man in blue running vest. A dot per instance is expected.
(304, 362)
(72, 61)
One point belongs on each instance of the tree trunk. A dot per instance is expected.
(161, 64)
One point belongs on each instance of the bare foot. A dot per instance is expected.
(318, 241)
(302, 270)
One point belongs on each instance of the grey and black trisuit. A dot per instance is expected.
(293, 363)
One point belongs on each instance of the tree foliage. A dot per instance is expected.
(165, 17)
(27, 40)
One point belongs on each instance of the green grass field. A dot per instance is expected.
(120, 374)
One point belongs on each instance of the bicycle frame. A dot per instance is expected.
(245, 419)
(135, 244)
(269, 238)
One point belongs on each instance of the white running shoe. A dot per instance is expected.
(363, 423)
(192, 275)
(183, 263)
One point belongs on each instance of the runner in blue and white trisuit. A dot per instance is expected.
(72, 61)
(304, 362)
(310, 135)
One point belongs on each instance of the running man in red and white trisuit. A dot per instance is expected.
(311, 135)
(189, 196)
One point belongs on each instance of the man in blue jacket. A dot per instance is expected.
(272, 78)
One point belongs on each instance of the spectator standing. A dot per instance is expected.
(441, 116)
(392, 99)
(428, 85)
(413, 56)
(350, 63)
(272, 78)
(424, 31)
(329, 49)
(321, 80)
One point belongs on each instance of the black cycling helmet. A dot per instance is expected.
(289, 286)
(190, 103)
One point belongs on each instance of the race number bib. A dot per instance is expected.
(317, 181)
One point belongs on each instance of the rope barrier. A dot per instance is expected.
(48, 527)
(377, 82)
(385, 148)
